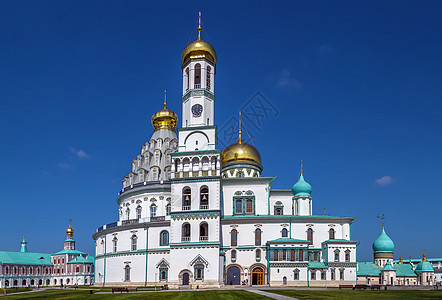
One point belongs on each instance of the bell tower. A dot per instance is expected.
(198, 64)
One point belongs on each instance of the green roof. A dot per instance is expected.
(25, 258)
(368, 269)
(388, 267)
(302, 187)
(424, 266)
(69, 240)
(288, 240)
(81, 260)
(69, 252)
(316, 265)
(404, 270)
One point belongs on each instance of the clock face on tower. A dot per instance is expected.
(197, 109)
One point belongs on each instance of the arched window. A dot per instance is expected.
(249, 206)
(279, 208)
(188, 79)
(301, 255)
(238, 206)
(127, 273)
(164, 238)
(204, 232)
(258, 254)
(197, 76)
(284, 232)
(177, 161)
(204, 197)
(258, 237)
(284, 254)
(134, 243)
(153, 210)
(186, 198)
(128, 213)
(6, 270)
(233, 255)
(234, 237)
(138, 212)
(185, 232)
(336, 255)
(208, 83)
(331, 234)
(310, 235)
(239, 174)
(347, 255)
(168, 208)
(115, 244)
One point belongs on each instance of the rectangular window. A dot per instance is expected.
(301, 255)
(275, 255)
(249, 206)
(284, 254)
(313, 275)
(292, 255)
(341, 274)
(323, 274)
(199, 272)
(296, 275)
(332, 274)
(238, 206)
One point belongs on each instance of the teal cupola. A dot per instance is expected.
(24, 248)
(383, 243)
(302, 187)
(388, 267)
(424, 266)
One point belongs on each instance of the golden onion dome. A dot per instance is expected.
(198, 49)
(164, 119)
(70, 231)
(241, 151)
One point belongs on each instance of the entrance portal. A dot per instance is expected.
(186, 278)
(233, 276)
(258, 276)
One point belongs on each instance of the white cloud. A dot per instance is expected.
(386, 180)
(79, 153)
(63, 165)
(286, 80)
(325, 49)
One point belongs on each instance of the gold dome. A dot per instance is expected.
(198, 49)
(70, 231)
(164, 119)
(241, 151)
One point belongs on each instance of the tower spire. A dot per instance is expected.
(383, 217)
(165, 102)
(199, 26)
(239, 132)
(302, 171)
(24, 248)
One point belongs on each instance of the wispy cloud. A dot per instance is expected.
(325, 49)
(63, 165)
(386, 180)
(286, 80)
(79, 153)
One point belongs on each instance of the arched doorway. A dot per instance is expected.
(6, 283)
(284, 280)
(186, 278)
(40, 282)
(258, 276)
(233, 276)
(48, 282)
(32, 282)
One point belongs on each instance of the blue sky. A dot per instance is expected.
(357, 87)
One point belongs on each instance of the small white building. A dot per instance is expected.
(193, 215)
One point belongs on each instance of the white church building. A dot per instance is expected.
(193, 215)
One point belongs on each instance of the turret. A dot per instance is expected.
(24, 248)
(302, 195)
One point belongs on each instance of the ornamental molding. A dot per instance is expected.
(163, 263)
(199, 260)
(195, 215)
(198, 93)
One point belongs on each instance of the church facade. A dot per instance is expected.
(30, 269)
(193, 215)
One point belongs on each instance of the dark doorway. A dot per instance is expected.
(186, 278)
(258, 276)
(233, 276)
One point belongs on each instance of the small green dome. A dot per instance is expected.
(302, 187)
(383, 243)
(424, 266)
(388, 267)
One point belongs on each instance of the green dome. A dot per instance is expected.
(383, 243)
(424, 266)
(302, 187)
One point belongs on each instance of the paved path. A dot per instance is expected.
(270, 295)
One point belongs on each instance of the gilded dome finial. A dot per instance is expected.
(199, 26)
(165, 102)
(70, 231)
(239, 132)
(302, 171)
(383, 217)
(424, 257)
(165, 118)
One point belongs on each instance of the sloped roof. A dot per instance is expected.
(69, 252)
(388, 267)
(25, 258)
(316, 265)
(81, 260)
(368, 269)
(404, 270)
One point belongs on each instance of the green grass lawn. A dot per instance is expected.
(14, 290)
(184, 295)
(347, 295)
